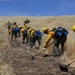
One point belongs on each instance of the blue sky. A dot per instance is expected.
(37, 7)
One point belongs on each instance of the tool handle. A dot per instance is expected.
(51, 44)
(71, 63)
(38, 52)
(43, 50)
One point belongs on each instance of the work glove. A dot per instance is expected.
(43, 48)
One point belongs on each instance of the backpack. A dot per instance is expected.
(14, 29)
(37, 33)
(61, 32)
(17, 29)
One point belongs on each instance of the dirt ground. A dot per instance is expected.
(18, 56)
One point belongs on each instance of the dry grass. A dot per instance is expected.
(40, 23)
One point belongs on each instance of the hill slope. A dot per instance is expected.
(16, 57)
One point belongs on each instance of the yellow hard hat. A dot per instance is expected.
(15, 23)
(28, 27)
(45, 30)
(73, 28)
(25, 26)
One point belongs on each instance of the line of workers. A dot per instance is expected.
(30, 36)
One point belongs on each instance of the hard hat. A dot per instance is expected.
(8, 21)
(54, 28)
(45, 30)
(25, 26)
(28, 27)
(73, 28)
(14, 23)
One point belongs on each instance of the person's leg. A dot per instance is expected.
(33, 40)
(39, 41)
(23, 40)
(55, 50)
(15, 34)
(26, 39)
(55, 47)
(62, 44)
(19, 33)
(12, 35)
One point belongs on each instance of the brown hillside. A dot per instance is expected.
(15, 57)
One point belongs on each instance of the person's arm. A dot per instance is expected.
(10, 30)
(50, 35)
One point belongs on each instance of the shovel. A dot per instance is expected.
(64, 67)
(40, 51)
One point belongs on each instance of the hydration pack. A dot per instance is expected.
(37, 33)
(61, 32)
(14, 29)
(17, 29)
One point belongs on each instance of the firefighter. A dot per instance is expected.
(14, 32)
(9, 26)
(24, 34)
(36, 35)
(59, 38)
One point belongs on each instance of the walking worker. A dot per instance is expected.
(24, 32)
(29, 35)
(9, 26)
(59, 35)
(18, 30)
(14, 31)
(36, 35)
